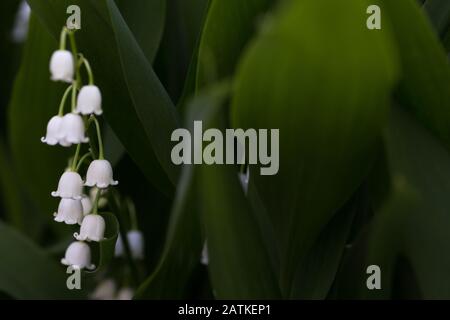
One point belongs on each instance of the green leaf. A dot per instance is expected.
(96, 40)
(146, 20)
(184, 242)
(27, 272)
(228, 27)
(10, 191)
(177, 58)
(8, 51)
(415, 223)
(239, 264)
(153, 105)
(316, 274)
(439, 13)
(327, 141)
(424, 87)
(182, 248)
(35, 99)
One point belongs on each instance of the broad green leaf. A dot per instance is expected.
(114, 150)
(317, 272)
(439, 13)
(96, 40)
(228, 27)
(447, 42)
(424, 87)
(182, 249)
(27, 272)
(177, 58)
(329, 110)
(10, 193)
(153, 105)
(146, 20)
(184, 240)
(239, 263)
(8, 52)
(35, 99)
(412, 227)
(420, 221)
(190, 83)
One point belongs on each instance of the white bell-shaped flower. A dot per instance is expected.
(72, 130)
(125, 294)
(78, 255)
(100, 175)
(70, 211)
(53, 135)
(70, 186)
(205, 256)
(92, 228)
(89, 100)
(118, 249)
(106, 290)
(87, 204)
(62, 66)
(245, 178)
(136, 242)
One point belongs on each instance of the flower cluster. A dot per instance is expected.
(66, 130)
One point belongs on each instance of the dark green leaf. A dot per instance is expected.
(153, 105)
(35, 100)
(411, 229)
(324, 81)
(27, 272)
(317, 272)
(239, 264)
(182, 247)
(146, 20)
(10, 191)
(439, 13)
(425, 80)
(228, 27)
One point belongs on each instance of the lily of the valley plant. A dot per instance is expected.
(69, 129)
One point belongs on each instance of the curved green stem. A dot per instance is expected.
(101, 155)
(74, 95)
(62, 39)
(63, 101)
(75, 158)
(97, 198)
(82, 159)
(73, 45)
(132, 213)
(89, 70)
